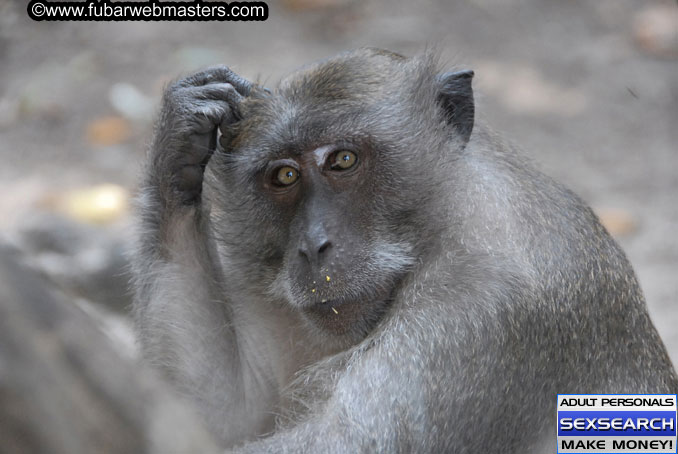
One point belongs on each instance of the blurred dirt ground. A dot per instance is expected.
(587, 88)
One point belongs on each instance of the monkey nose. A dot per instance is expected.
(315, 250)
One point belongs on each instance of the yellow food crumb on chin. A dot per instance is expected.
(335, 311)
(312, 290)
(327, 278)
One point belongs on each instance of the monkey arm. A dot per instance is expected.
(182, 289)
(184, 321)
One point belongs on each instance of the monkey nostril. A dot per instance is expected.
(324, 247)
(314, 255)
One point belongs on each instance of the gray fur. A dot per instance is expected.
(484, 287)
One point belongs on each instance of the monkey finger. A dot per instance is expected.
(202, 146)
(217, 91)
(206, 116)
(218, 74)
(224, 96)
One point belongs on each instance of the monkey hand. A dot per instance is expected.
(186, 135)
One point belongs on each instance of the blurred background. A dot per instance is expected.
(588, 89)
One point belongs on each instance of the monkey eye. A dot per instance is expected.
(286, 175)
(342, 160)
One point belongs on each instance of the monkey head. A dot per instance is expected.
(321, 188)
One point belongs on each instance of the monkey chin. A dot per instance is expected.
(348, 315)
(347, 320)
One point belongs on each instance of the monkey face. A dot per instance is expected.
(319, 188)
(319, 222)
(340, 265)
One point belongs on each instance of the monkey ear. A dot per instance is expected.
(456, 98)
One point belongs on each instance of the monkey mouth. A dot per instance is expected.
(329, 307)
(354, 313)
(354, 318)
(337, 316)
